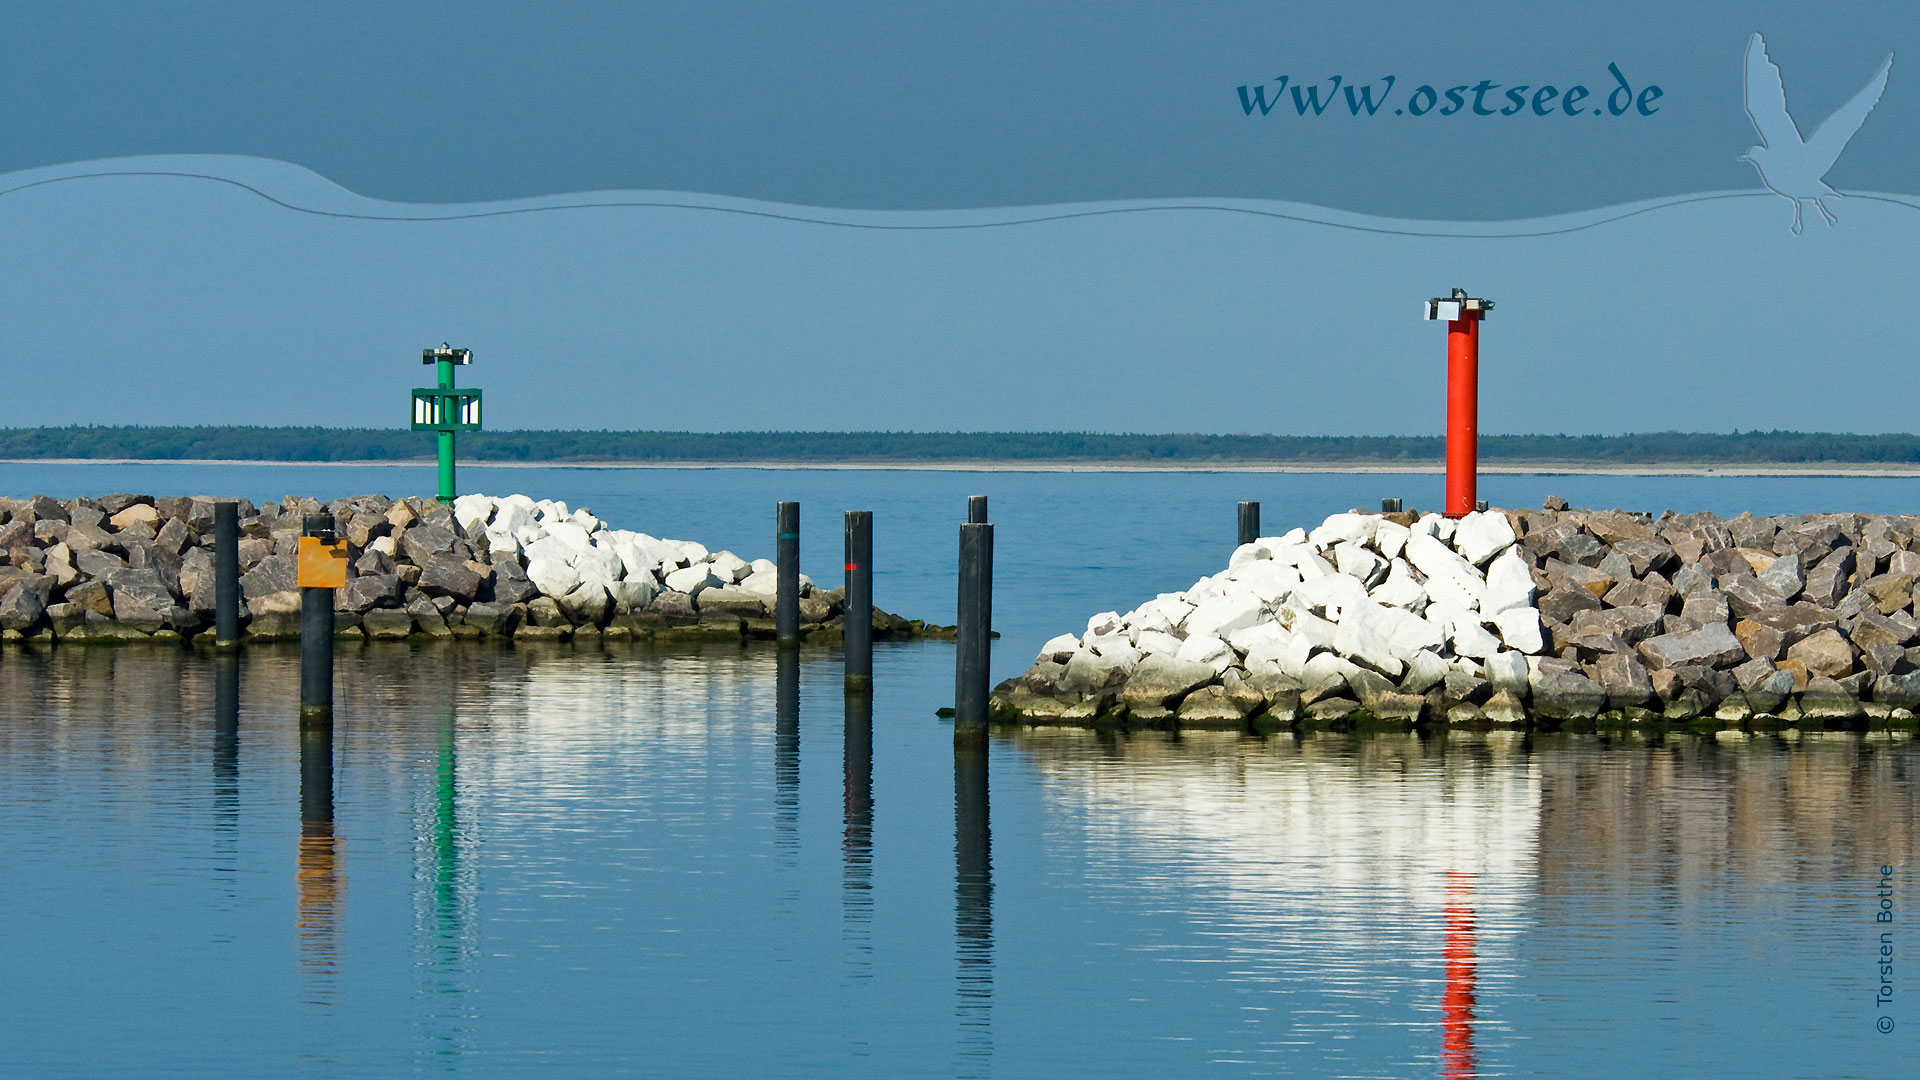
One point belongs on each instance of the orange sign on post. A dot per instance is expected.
(322, 563)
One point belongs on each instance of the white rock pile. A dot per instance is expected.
(1363, 611)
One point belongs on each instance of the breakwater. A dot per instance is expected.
(127, 567)
(1556, 616)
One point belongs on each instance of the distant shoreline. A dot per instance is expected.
(1865, 470)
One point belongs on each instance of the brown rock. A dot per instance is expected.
(1873, 628)
(1797, 669)
(1589, 578)
(1762, 642)
(1566, 599)
(1891, 592)
(1825, 653)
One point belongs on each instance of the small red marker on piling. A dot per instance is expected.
(1462, 314)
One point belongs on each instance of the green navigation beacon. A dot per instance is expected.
(444, 409)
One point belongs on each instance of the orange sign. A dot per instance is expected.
(322, 563)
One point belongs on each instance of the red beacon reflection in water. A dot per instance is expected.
(1456, 1000)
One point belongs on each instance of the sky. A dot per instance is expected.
(672, 318)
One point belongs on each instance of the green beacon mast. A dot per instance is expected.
(444, 409)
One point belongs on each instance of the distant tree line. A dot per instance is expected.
(370, 444)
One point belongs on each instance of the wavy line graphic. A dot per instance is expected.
(991, 218)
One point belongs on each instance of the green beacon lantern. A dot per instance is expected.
(445, 409)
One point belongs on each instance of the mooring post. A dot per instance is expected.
(857, 623)
(226, 574)
(317, 584)
(786, 557)
(976, 509)
(1249, 522)
(973, 624)
(1462, 314)
(1389, 506)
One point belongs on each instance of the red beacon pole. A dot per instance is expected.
(1462, 314)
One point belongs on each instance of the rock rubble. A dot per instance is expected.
(134, 567)
(1509, 618)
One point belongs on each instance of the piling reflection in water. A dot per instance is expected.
(972, 903)
(786, 757)
(319, 881)
(1456, 1000)
(856, 835)
(226, 762)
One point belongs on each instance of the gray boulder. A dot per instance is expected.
(273, 574)
(1713, 646)
(421, 543)
(141, 601)
(1568, 697)
(369, 591)
(445, 575)
(510, 584)
(496, 619)
(23, 604)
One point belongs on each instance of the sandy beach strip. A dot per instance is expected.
(1506, 468)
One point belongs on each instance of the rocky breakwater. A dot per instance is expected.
(138, 568)
(1509, 618)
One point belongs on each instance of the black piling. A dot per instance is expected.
(976, 509)
(858, 623)
(316, 639)
(786, 601)
(226, 573)
(1389, 506)
(973, 624)
(1249, 522)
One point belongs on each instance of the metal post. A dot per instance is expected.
(1249, 522)
(226, 573)
(1389, 506)
(786, 600)
(444, 368)
(973, 623)
(316, 639)
(1463, 414)
(858, 621)
(1462, 314)
(976, 509)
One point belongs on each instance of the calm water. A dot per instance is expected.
(625, 861)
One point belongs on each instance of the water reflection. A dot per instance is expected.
(856, 835)
(972, 904)
(1387, 906)
(1456, 1001)
(319, 879)
(446, 890)
(226, 765)
(786, 759)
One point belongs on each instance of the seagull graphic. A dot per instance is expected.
(1789, 165)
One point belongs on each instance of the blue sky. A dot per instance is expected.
(166, 299)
